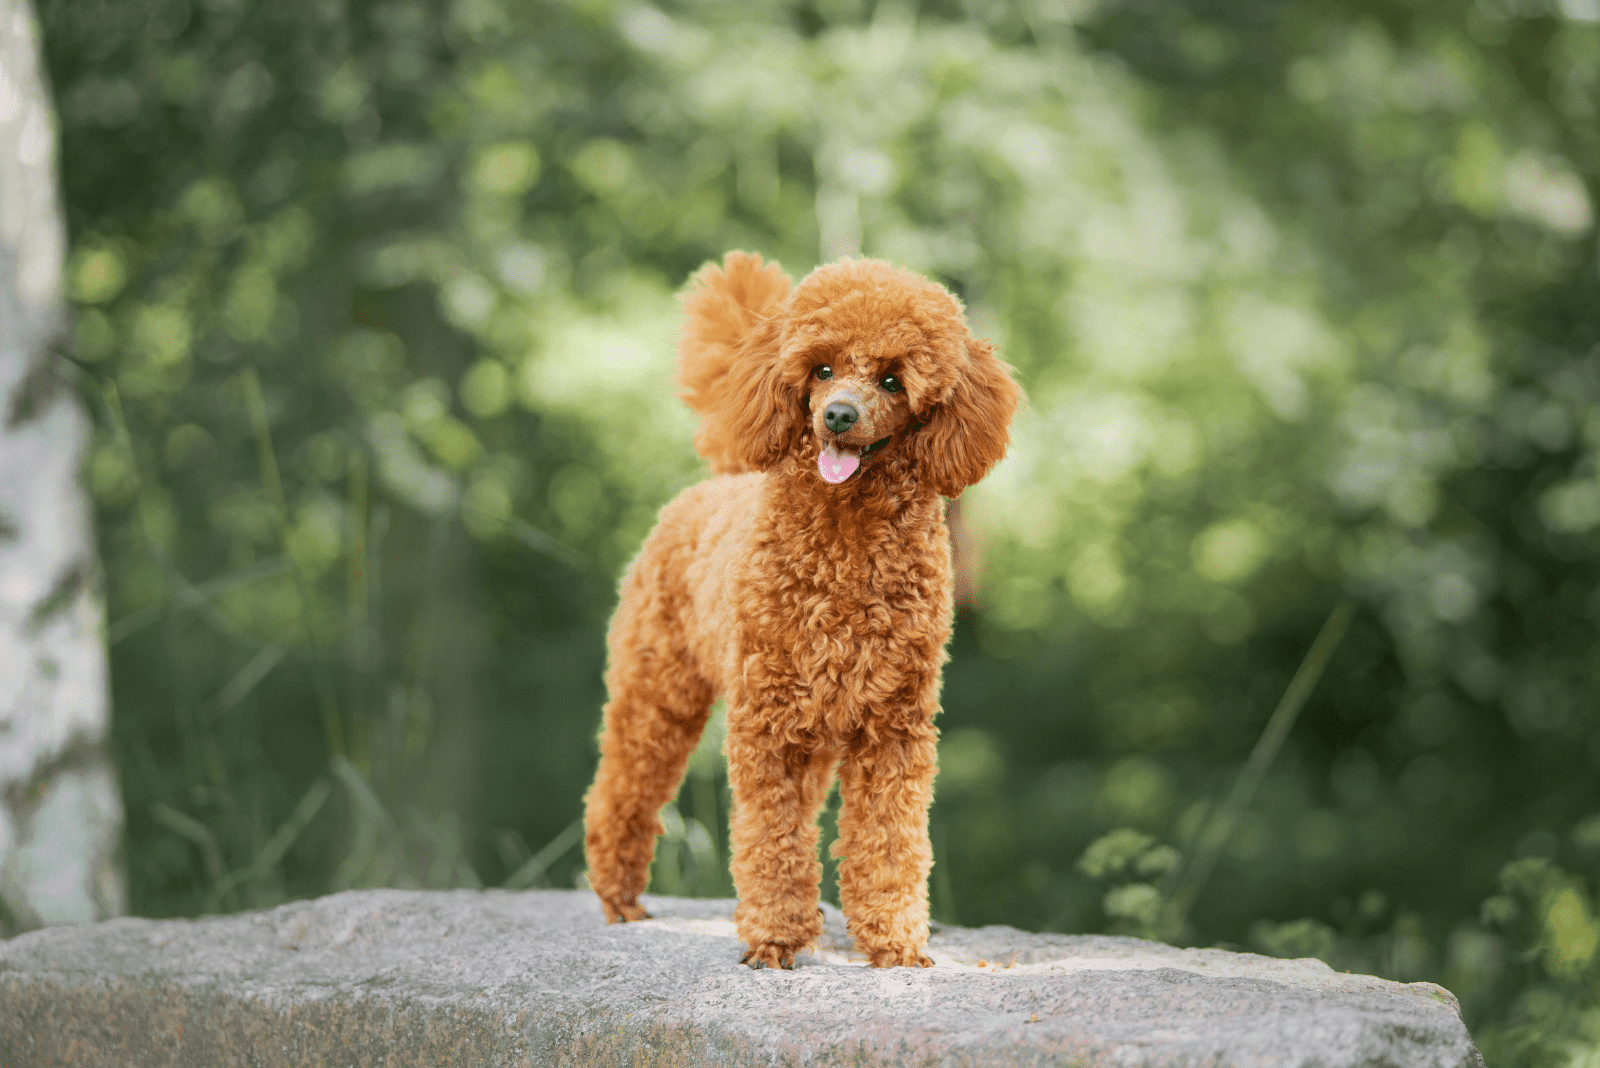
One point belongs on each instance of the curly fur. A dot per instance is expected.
(819, 611)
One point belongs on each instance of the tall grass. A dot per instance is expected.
(208, 805)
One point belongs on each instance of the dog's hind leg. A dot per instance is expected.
(778, 789)
(657, 708)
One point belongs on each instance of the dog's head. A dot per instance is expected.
(863, 360)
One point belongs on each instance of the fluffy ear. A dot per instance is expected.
(966, 434)
(728, 365)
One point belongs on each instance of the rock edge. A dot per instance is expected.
(400, 978)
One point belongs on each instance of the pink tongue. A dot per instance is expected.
(837, 464)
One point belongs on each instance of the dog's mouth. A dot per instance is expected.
(838, 462)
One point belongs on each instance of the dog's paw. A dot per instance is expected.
(906, 957)
(769, 955)
(623, 913)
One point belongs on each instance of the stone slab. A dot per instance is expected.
(411, 978)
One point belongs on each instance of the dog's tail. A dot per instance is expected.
(722, 309)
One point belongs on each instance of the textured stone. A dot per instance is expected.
(400, 978)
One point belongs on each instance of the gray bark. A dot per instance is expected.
(60, 814)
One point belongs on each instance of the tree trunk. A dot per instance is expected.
(60, 814)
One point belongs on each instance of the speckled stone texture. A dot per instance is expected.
(400, 978)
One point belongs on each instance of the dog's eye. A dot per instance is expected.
(890, 384)
(823, 372)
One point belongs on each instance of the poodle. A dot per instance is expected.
(808, 584)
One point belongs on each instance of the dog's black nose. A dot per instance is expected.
(839, 416)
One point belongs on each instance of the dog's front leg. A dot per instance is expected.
(778, 787)
(886, 786)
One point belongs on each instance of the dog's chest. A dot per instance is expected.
(847, 631)
(858, 589)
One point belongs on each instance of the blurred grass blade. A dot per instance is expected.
(533, 538)
(245, 680)
(186, 826)
(703, 790)
(466, 875)
(124, 439)
(265, 454)
(272, 852)
(943, 893)
(538, 540)
(360, 792)
(371, 822)
(1212, 837)
(328, 704)
(192, 596)
(534, 869)
(514, 852)
(356, 602)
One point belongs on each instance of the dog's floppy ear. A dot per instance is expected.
(729, 367)
(966, 434)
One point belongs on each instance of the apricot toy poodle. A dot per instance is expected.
(808, 584)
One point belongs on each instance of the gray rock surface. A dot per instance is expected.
(391, 978)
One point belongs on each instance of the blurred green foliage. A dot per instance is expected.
(375, 303)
